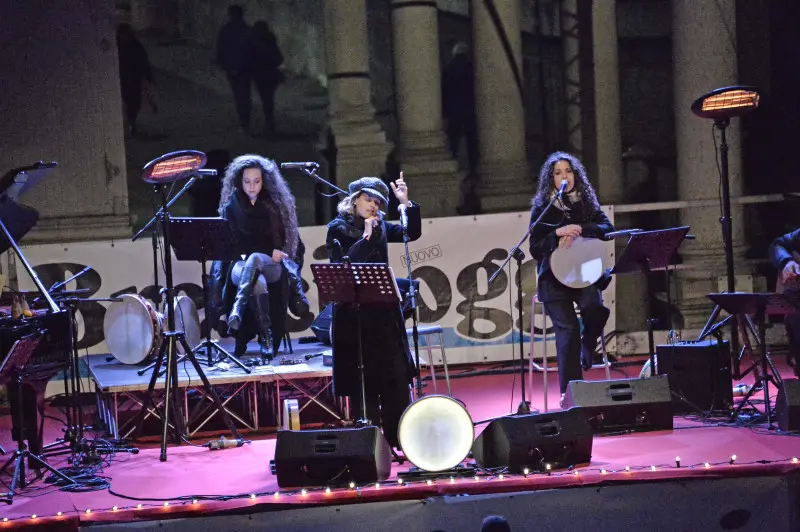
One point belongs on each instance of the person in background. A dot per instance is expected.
(576, 213)
(135, 74)
(495, 523)
(234, 56)
(360, 233)
(266, 69)
(458, 104)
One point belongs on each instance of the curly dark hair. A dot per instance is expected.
(274, 193)
(547, 188)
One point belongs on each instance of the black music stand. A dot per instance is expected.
(759, 305)
(649, 251)
(204, 239)
(357, 284)
(13, 369)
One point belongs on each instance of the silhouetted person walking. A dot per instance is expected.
(266, 62)
(234, 57)
(458, 104)
(134, 72)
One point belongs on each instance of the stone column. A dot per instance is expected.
(505, 180)
(429, 167)
(609, 179)
(61, 102)
(704, 58)
(361, 144)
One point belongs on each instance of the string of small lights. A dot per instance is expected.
(310, 495)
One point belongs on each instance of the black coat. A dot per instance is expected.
(383, 331)
(781, 249)
(544, 240)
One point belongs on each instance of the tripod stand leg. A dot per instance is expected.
(210, 390)
(138, 422)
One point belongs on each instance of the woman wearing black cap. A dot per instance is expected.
(360, 233)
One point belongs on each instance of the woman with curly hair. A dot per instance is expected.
(360, 233)
(258, 204)
(575, 214)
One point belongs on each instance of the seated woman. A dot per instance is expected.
(360, 233)
(260, 208)
(576, 214)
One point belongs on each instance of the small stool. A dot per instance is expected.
(427, 332)
(532, 365)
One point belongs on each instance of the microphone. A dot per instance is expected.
(206, 172)
(300, 166)
(403, 216)
(563, 187)
(222, 443)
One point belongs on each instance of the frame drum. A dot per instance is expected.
(581, 264)
(132, 329)
(436, 433)
(187, 320)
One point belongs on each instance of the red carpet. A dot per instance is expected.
(191, 471)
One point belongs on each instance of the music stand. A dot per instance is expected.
(13, 369)
(204, 239)
(645, 252)
(357, 284)
(759, 305)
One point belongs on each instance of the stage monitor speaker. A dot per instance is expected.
(321, 327)
(635, 405)
(331, 457)
(787, 406)
(699, 375)
(561, 439)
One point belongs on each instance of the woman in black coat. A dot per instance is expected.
(260, 208)
(576, 213)
(360, 233)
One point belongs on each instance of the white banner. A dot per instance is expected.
(453, 260)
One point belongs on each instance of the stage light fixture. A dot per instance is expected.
(173, 166)
(727, 102)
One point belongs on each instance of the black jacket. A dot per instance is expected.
(781, 249)
(543, 239)
(383, 332)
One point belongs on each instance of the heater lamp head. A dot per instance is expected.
(173, 167)
(727, 102)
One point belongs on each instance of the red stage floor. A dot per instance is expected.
(237, 473)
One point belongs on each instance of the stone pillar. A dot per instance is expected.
(429, 167)
(361, 144)
(61, 102)
(704, 58)
(570, 43)
(609, 179)
(505, 181)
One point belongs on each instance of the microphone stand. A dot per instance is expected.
(518, 255)
(153, 220)
(412, 297)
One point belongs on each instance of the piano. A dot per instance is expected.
(55, 348)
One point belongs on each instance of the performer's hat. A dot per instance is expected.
(372, 186)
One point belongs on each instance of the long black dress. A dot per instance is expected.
(388, 366)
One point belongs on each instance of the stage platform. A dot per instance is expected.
(120, 389)
(195, 482)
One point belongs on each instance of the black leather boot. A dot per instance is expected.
(245, 288)
(298, 303)
(241, 344)
(263, 322)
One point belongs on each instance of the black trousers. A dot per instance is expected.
(572, 343)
